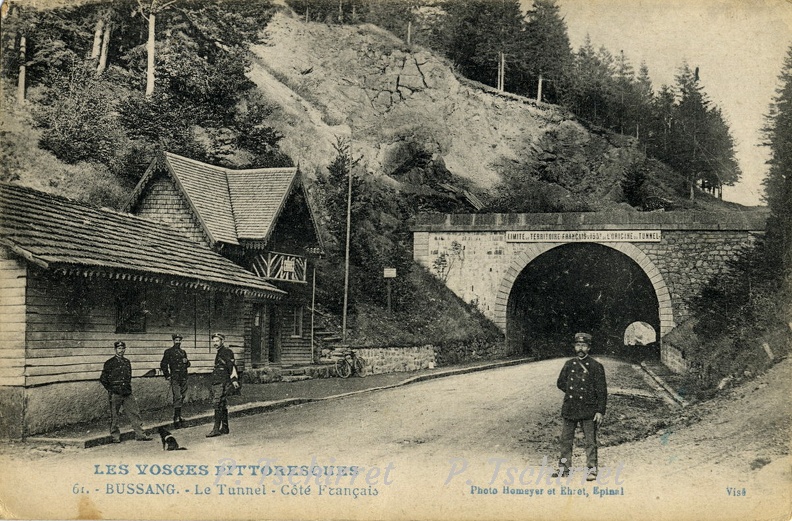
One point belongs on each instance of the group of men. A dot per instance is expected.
(582, 380)
(116, 378)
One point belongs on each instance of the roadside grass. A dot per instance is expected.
(629, 418)
(431, 315)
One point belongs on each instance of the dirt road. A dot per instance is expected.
(455, 448)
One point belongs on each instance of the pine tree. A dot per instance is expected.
(778, 183)
(625, 100)
(479, 31)
(645, 97)
(549, 55)
(596, 94)
(703, 149)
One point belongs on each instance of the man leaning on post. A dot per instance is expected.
(117, 379)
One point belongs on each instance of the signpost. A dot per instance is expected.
(388, 274)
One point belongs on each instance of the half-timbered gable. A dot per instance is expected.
(74, 279)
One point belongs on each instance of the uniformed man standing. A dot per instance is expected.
(585, 395)
(174, 366)
(117, 379)
(224, 380)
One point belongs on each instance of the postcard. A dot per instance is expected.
(532, 197)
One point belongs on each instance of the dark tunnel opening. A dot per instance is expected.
(581, 287)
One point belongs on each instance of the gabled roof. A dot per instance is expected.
(257, 197)
(206, 189)
(60, 234)
(231, 205)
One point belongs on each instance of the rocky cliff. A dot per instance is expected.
(392, 102)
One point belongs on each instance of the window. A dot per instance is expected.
(131, 311)
(78, 306)
(297, 321)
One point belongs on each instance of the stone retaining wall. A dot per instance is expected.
(673, 358)
(471, 350)
(381, 360)
(397, 359)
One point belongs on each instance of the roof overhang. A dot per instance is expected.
(265, 291)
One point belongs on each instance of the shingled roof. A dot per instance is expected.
(62, 235)
(232, 205)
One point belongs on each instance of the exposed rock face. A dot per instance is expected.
(363, 84)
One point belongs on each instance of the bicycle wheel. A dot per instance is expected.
(359, 366)
(343, 368)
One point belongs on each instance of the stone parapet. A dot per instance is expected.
(743, 221)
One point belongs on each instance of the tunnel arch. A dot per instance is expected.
(522, 259)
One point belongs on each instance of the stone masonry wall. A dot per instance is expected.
(381, 360)
(673, 358)
(476, 262)
(690, 259)
(397, 359)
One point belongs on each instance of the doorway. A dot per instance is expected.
(264, 347)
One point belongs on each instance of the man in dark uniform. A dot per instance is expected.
(117, 379)
(174, 366)
(224, 379)
(585, 395)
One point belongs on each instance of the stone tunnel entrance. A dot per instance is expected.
(581, 287)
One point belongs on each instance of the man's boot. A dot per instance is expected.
(216, 429)
(177, 417)
(224, 428)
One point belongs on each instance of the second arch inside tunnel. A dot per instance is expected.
(581, 287)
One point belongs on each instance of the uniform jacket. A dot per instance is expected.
(175, 363)
(585, 390)
(224, 367)
(117, 376)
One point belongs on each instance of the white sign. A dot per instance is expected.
(288, 265)
(585, 236)
(389, 273)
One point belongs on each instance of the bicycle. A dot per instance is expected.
(349, 363)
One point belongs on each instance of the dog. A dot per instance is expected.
(168, 441)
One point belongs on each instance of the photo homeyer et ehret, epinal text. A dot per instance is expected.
(362, 259)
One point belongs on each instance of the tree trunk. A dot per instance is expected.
(22, 69)
(103, 56)
(97, 40)
(150, 52)
(539, 89)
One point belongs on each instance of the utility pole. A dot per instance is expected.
(346, 255)
(501, 72)
(313, 312)
(22, 69)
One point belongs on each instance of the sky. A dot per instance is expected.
(738, 45)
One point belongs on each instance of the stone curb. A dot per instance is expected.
(248, 409)
(621, 391)
(667, 388)
(432, 376)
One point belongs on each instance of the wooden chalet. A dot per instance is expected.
(74, 279)
(261, 219)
